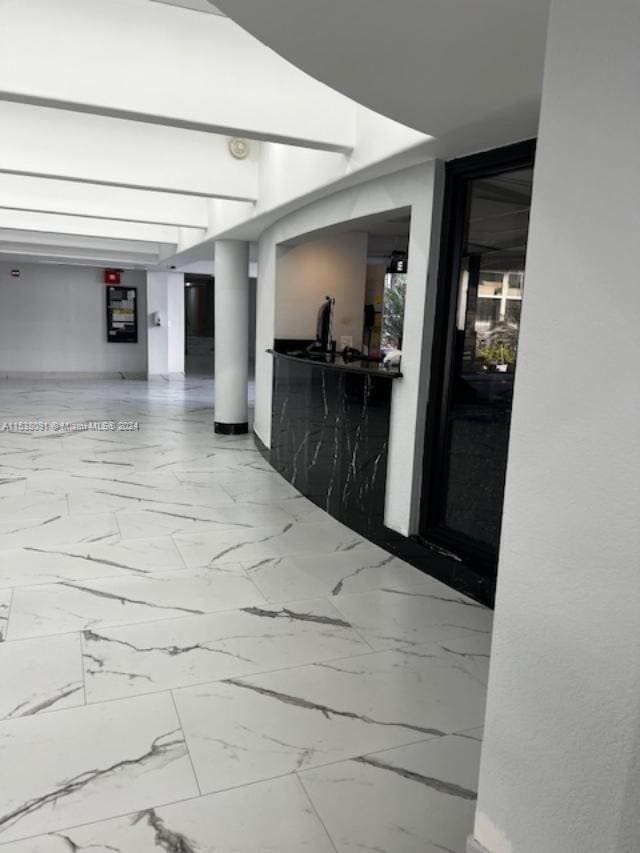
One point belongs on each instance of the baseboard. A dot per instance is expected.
(223, 428)
(69, 374)
(474, 846)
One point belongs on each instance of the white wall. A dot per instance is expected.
(165, 343)
(561, 757)
(175, 318)
(333, 266)
(286, 172)
(53, 320)
(419, 188)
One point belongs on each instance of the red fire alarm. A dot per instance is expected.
(112, 276)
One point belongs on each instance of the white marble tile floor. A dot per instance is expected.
(195, 658)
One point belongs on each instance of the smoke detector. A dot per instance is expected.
(239, 148)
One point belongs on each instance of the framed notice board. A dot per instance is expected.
(122, 315)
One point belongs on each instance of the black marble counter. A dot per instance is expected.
(329, 438)
(329, 435)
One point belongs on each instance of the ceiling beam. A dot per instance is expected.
(36, 248)
(86, 200)
(79, 227)
(160, 65)
(38, 142)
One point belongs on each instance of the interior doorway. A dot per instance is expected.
(199, 320)
(487, 204)
(199, 316)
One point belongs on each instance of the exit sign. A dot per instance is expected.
(112, 276)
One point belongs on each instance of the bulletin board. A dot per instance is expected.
(122, 315)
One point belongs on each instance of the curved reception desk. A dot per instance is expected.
(330, 432)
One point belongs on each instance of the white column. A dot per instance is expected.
(175, 323)
(561, 756)
(231, 337)
(165, 342)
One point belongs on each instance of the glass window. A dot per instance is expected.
(490, 290)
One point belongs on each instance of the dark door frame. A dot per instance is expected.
(456, 200)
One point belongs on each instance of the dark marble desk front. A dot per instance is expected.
(329, 436)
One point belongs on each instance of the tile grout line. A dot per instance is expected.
(9, 609)
(186, 742)
(84, 679)
(315, 811)
(178, 551)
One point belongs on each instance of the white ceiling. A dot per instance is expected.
(438, 66)
(134, 151)
(137, 145)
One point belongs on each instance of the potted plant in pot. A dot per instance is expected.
(498, 348)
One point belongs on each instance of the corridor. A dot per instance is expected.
(195, 658)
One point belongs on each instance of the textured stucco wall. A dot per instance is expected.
(561, 758)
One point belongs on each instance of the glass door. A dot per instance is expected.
(475, 357)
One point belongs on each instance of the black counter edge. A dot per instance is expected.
(344, 367)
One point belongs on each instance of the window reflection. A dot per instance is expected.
(395, 292)
(490, 292)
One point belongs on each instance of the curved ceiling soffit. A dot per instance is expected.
(435, 65)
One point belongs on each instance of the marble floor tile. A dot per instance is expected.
(126, 496)
(189, 459)
(137, 524)
(173, 582)
(246, 729)
(142, 658)
(251, 545)
(78, 605)
(301, 509)
(5, 604)
(226, 460)
(473, 651)
(414, 799)
(273, 816)
(90, 763)
(57, 529)
(72, 482)
(158, 520)
(40, 675)
(12, 484)
(360, 569)
(32, 506)
(33, 565)
(393, 617)
(256, 486)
